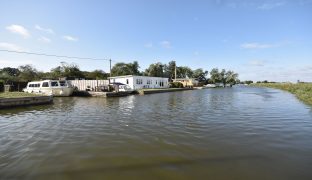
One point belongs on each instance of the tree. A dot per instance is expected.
(155, 70)
(8, 74)
(10, 71)
(96, 74)
(200, 75)
(222, 76)
(122, 69)
(67, 70)
(170, 70)
(27, 73)
(184, 72)
(134, 67)
(231, 78)
(215, 75)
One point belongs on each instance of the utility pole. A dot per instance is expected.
(110, 67)
(110, 70)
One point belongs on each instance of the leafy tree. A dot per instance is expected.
(96, 74)
(134, 67)
(200, 75)
(8, 74)
(170, 70)
(67, 70)
(155, 70)
(27, 73)
(215, 75)
(10, 71)
(121, 69)
(231, 78)
(184, 72)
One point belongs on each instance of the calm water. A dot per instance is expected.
(233, 133)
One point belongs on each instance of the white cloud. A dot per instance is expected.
(70, 38)
(17, 29)
(44, 39)
(148, 45)
(257, 46)
(268, 6)
(10, 47)
(166, 44)
(46, 30)
(256, 63)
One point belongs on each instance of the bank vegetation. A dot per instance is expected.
(302, 91)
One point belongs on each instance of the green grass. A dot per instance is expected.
(17, 95)
(302, 91)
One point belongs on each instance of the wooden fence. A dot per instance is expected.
(83, 85)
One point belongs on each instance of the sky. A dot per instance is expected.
(260, 39)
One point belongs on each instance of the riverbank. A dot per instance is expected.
(302, 91)
(13, 99)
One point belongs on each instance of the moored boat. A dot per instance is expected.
(209, 86)
(50, 87)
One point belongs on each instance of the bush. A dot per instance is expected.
(176, 85)
(1, 86)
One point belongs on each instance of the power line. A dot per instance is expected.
(53, 55)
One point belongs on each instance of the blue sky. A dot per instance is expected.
(258, 39)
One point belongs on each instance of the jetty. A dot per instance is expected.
(8, 100)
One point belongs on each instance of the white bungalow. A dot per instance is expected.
(140, 82)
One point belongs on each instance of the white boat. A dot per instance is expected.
(50, 87)
(209, 86)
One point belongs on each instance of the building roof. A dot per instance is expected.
(115, 77)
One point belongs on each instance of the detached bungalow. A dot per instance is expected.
(141, 82)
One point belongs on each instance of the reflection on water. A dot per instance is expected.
(232, 133)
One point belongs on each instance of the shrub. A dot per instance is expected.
(1, 86)
(176, 85)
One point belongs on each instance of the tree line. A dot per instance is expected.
(168, 70)
(27, 73)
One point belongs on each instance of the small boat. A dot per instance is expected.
(50, 87)
(209, 86)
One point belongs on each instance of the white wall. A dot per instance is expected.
(133, 82)
(83, 84)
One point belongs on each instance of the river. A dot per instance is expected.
(231, 133)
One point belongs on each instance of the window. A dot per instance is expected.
(45, 84)
(127, 81)
(54, 83)
(63, 83)
(139, 81)
(156, 81)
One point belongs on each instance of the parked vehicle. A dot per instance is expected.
(50, 87)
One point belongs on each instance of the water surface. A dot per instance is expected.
(232, 133)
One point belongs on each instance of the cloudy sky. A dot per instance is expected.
(261, 39)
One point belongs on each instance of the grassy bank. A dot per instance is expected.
(16, 95)
(303, 91)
